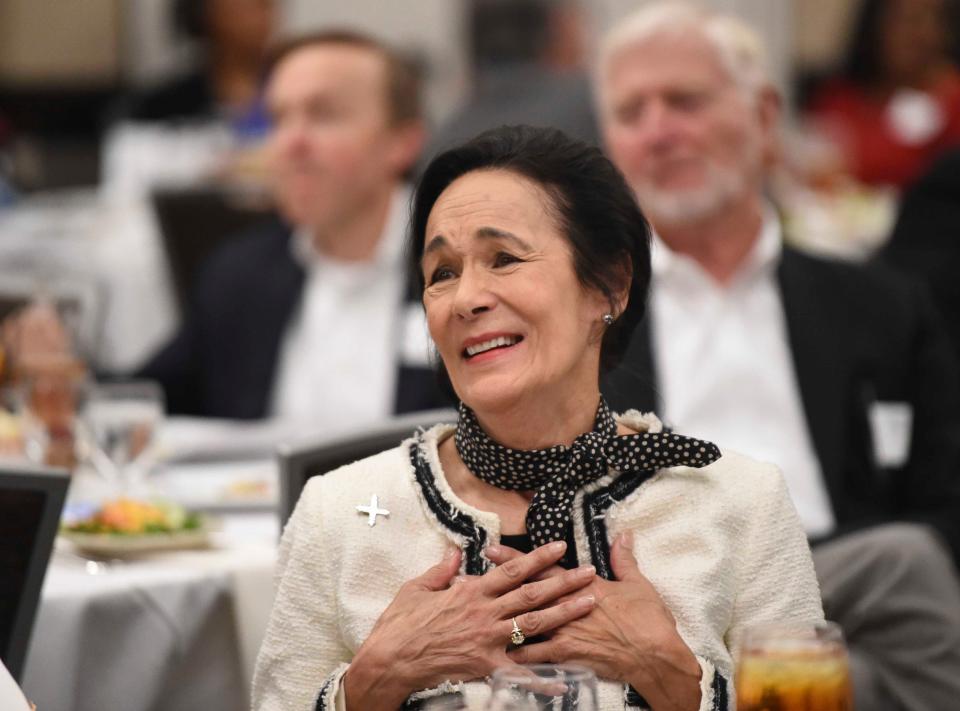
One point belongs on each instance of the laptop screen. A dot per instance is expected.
(30, 505)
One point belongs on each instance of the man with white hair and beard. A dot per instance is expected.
(840, 374)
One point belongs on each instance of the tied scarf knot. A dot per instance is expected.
(587, 457)
(555, 474)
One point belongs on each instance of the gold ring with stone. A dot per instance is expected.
(516, 636)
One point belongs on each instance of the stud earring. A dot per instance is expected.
(608, 319)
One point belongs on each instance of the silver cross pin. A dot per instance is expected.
(372, 511)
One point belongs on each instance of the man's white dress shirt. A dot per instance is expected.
(725, 369)
(339, 357)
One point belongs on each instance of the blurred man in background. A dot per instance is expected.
(307, 319)
(839, 374)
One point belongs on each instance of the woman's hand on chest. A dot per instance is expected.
(441, 627)
(630, 636)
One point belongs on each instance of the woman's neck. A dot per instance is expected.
(540, 423)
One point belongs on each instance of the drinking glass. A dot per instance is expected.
(119, 422)
(446, 702)
(47, 401)
(793, 668)
(539, 687)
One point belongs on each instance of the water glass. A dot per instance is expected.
(120, 421)
(793, 668)
(446, 702)
(539, 687)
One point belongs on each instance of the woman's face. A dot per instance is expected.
(504, 306)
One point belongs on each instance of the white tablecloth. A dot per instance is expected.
(173, 631)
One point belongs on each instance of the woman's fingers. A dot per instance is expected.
(514, 573)
(546, 651)
(539, 621)
(500, 554)
(439, 576)
(623, 561)
(532, 595)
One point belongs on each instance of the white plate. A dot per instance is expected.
(220, 487)
(114, 545)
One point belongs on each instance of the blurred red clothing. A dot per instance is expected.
(890, 139)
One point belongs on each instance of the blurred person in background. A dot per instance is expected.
(841, 375)
(895, 105)
(206, 126)
(306, 318)
(528, 68)
(233, 36)
(924, 239)
(275, 318)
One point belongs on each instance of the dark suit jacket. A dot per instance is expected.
(925, 241)
(858, 335)
(223, 361)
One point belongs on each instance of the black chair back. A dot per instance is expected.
(31, 501)
(299, 462)
(194, 222)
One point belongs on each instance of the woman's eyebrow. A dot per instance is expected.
(497, 233)
(438, 242)
(435, 243)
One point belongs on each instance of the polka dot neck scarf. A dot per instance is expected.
(556, 473)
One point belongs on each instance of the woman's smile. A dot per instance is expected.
(489, 346)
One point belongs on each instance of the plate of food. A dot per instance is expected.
(128, 527)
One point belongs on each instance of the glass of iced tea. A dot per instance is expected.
(793, 668)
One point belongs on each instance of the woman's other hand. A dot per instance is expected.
(630, 636)
(434, 631)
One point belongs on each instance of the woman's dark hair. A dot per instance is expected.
(594, 209)
(862, 64)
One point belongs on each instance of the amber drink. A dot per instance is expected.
(784, 668)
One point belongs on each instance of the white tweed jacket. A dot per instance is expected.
(722, 545)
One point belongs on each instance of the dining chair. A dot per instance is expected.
(302, 460)
(31, 502)
(194, 222)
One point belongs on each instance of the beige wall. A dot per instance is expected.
(821, 31)
(59, 41)
(773, 18)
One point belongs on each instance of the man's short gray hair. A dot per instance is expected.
(739, 47)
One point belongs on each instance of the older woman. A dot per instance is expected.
(542, 527)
